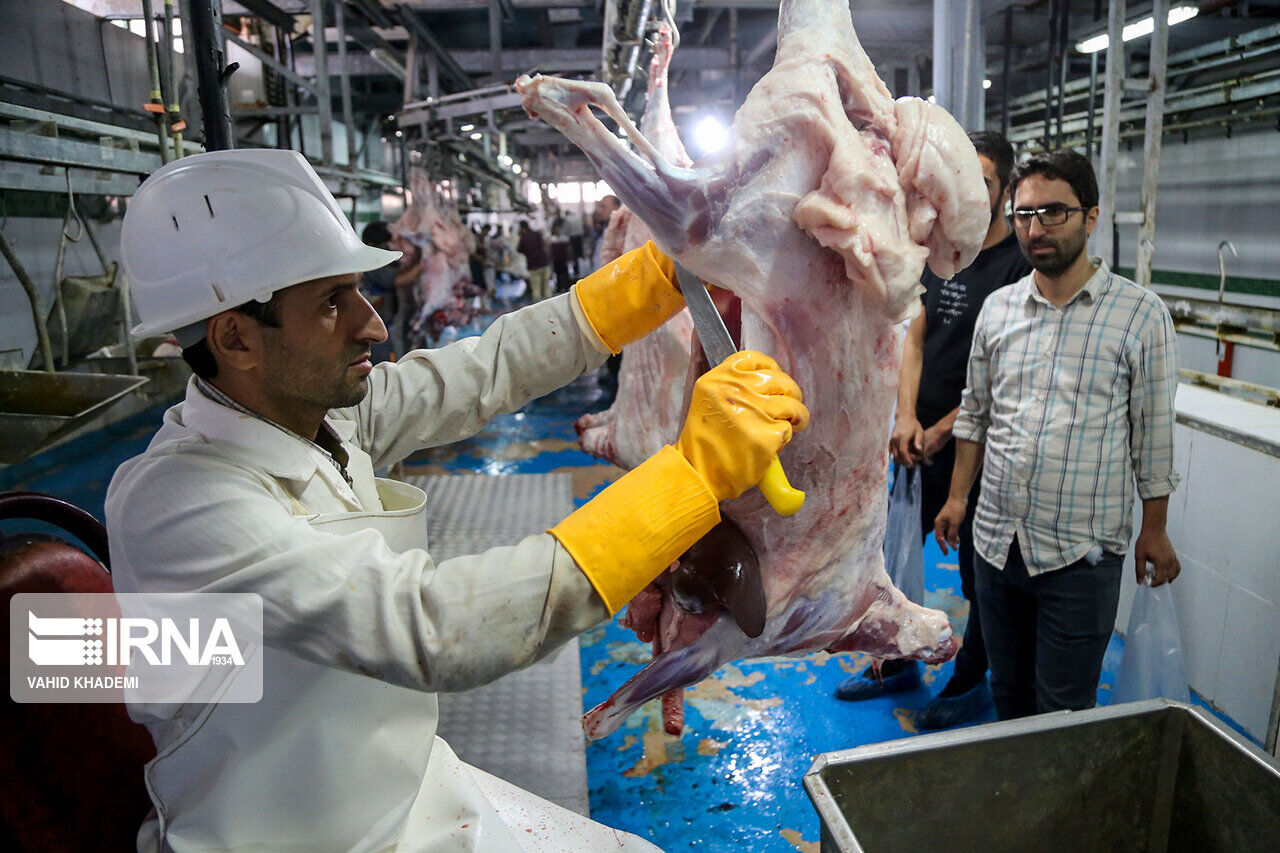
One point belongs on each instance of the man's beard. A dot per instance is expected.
(313, 387)
(1068, 249)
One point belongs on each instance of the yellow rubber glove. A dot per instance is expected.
(639, 525)
(628, 298)
(741, 414)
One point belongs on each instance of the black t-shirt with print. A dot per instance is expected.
(951, 309)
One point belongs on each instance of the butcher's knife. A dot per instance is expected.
(718, 345)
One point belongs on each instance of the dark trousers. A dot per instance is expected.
(935, 485)
(564, 278)
(1046, 635)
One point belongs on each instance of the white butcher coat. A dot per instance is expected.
(361, 627)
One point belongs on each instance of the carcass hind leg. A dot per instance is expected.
(895, 627)
(671, 671)
(659, 193)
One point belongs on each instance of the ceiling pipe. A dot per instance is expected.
(206, 48)
(636, 31)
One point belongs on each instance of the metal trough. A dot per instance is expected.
(1151, 776)
(38, 408)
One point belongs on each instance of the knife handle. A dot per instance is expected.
(778, 491)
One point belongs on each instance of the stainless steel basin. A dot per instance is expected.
(37, 408)
(1157, 776)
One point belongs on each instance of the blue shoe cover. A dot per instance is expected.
(865, 686)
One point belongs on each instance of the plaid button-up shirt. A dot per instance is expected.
(1074, 405)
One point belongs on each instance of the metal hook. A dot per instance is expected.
(1222, 267)
(668, 12)
(72, 213)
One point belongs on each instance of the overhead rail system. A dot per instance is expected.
(1228, 83)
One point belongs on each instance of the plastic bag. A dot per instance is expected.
(1152, 664)
(903, 548)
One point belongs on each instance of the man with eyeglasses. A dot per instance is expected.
(1068, 405)
(935, 355)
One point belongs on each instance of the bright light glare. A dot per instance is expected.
(986, 84)
(710, 135)
(568, 192)
(516, 168)
(477, 136)
(139, 28)
(1137, 29)
(467, 128)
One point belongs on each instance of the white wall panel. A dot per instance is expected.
(1250, 656)
(1200, 597)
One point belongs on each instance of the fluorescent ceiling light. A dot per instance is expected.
(467, 128)
(710, 135)
(1137, 29)
(477, 136)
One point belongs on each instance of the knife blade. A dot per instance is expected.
(718, 344)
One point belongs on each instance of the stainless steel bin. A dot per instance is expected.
(1157, 776)
(37, 408)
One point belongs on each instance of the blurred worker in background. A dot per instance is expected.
(537, 259)
(575, 231)
(501, 253)
(262, 481)
(934, 359)
(1069, 402)
(475, 260)
(599, 222)
(485, 244)
(390, 289)
(561, 256)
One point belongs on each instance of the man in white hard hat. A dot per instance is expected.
(262, 481)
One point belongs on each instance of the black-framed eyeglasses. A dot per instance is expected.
(1049, 215)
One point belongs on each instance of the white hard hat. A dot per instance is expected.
(212, 231)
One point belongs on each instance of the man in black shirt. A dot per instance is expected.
(935, 358)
